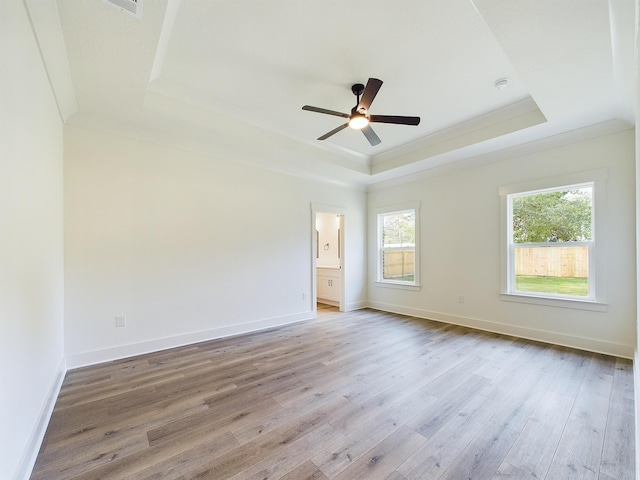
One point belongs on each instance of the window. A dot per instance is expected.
(551, 241)
(397, 240)
(550, 244)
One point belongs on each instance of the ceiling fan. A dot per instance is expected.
(359, 118)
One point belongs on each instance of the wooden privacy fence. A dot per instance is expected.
(552, 261)
(398, 262)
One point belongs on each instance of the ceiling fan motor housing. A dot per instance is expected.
(357, 89)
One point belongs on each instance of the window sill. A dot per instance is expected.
(401, 286)
(555, 302)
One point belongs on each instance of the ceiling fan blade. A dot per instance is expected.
(371, 136)
(324, 110)
(334, 131)
(394, 119)
(370, 92)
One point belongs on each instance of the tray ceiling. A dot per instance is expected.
(228, 79)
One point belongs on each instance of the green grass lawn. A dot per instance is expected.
(575, 286)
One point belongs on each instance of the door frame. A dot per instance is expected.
(341, 212)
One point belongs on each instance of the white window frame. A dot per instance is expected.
(597, 266)
(390, 210)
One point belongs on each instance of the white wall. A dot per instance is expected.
(636, 362)
(636, 358)
(31, 236)
(186, 247)
(460, 252)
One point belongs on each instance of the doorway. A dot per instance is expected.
(328, 255)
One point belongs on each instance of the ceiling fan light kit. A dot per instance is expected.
(358, 121)
(360, 118)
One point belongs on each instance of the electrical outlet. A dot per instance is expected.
(460, 298)
(304, 296)
(121, 321)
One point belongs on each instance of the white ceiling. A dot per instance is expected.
(228, 79)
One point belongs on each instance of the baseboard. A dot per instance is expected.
(349, 307)
(581, 343)
(124, 351)
(356, 306)
(33, 447)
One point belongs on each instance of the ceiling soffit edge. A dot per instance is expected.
(509, 119)
(226, 148)
(519, 150)
(166, 31)
(213, 115)
(47, 30)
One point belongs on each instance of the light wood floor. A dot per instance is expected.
(360, 395)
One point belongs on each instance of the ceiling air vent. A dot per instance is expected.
(132, 7)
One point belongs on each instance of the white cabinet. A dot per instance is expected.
(328, 281)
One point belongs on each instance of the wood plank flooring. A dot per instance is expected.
(359, 395)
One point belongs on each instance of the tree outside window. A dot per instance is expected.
(551, 242)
